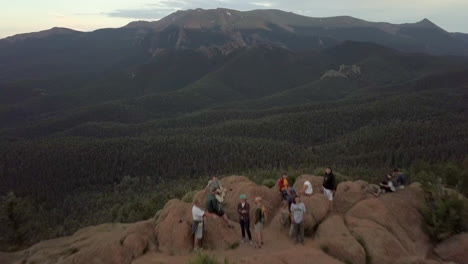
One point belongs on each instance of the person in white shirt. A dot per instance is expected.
(307, 190)
(197, 226)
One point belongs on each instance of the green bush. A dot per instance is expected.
(188, 197)
(445, 212)
(325, 249)
(203, 258)
(269, 183)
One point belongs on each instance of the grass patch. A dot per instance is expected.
(188, 197)
(445, 212)
(203, 258)
(270, 183)
(325, 249)
(234, 245)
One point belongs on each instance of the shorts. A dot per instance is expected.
(197, 229)
(258, 227)
(328, 194)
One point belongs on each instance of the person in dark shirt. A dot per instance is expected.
(243, 208)
(212, 206)
(329, 184)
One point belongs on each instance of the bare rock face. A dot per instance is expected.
(107, 243)
(386, 229)
(333, 235)
(345, 71)
(454, 249)
(390, 227)
(333, 74)
(315, 180)
(237, 185)
(350, 193)
(173, 230)
(317, 209)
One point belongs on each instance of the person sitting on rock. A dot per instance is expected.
(243, 208)
(387, 185)
(297, 219)
(198, 215)
(260, 219)
(220, 191)
(399, 179)
(307, 189)
(283, 185)
(212, 206)
(329, 184)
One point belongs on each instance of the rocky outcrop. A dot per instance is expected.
(317, 208)
(334, 236)
(315, 180)
(108, 243)
(350, 193)
(173, 230)
(237, 185)
(390, 227)
(454, 249)
(345, 71)
(360, 228)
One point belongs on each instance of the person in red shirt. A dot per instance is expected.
(283, 186)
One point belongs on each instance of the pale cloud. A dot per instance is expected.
(264, 4)
(93, 14)
(57, 15)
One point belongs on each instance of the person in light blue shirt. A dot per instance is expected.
(298, 210)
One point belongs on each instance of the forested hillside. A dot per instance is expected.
(114, 134)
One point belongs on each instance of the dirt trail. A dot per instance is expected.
(276, 242)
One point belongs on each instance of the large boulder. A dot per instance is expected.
(349, 194)
(333, 235)
(315, 180)
(174, 235)
(390, 227)
(317, 209)
(173, 230)
(107, 243)
(454, 249)
(237, 185)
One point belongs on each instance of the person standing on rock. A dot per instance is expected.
(197, 225)
(260, 218)
(297, 219)
(212, 206)
(220, 191)
(329, 184)
(243, 208)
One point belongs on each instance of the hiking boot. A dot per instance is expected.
(243, 241)
(250, 242)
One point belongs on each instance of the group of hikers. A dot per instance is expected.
(293, 206)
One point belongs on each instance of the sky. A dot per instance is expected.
(22, 16)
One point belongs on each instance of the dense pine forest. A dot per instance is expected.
(113, 144)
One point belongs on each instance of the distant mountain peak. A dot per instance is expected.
(426, 22)
(43, 33)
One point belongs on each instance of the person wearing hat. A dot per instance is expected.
(243, 208)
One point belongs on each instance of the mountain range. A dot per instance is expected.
(203, 92)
